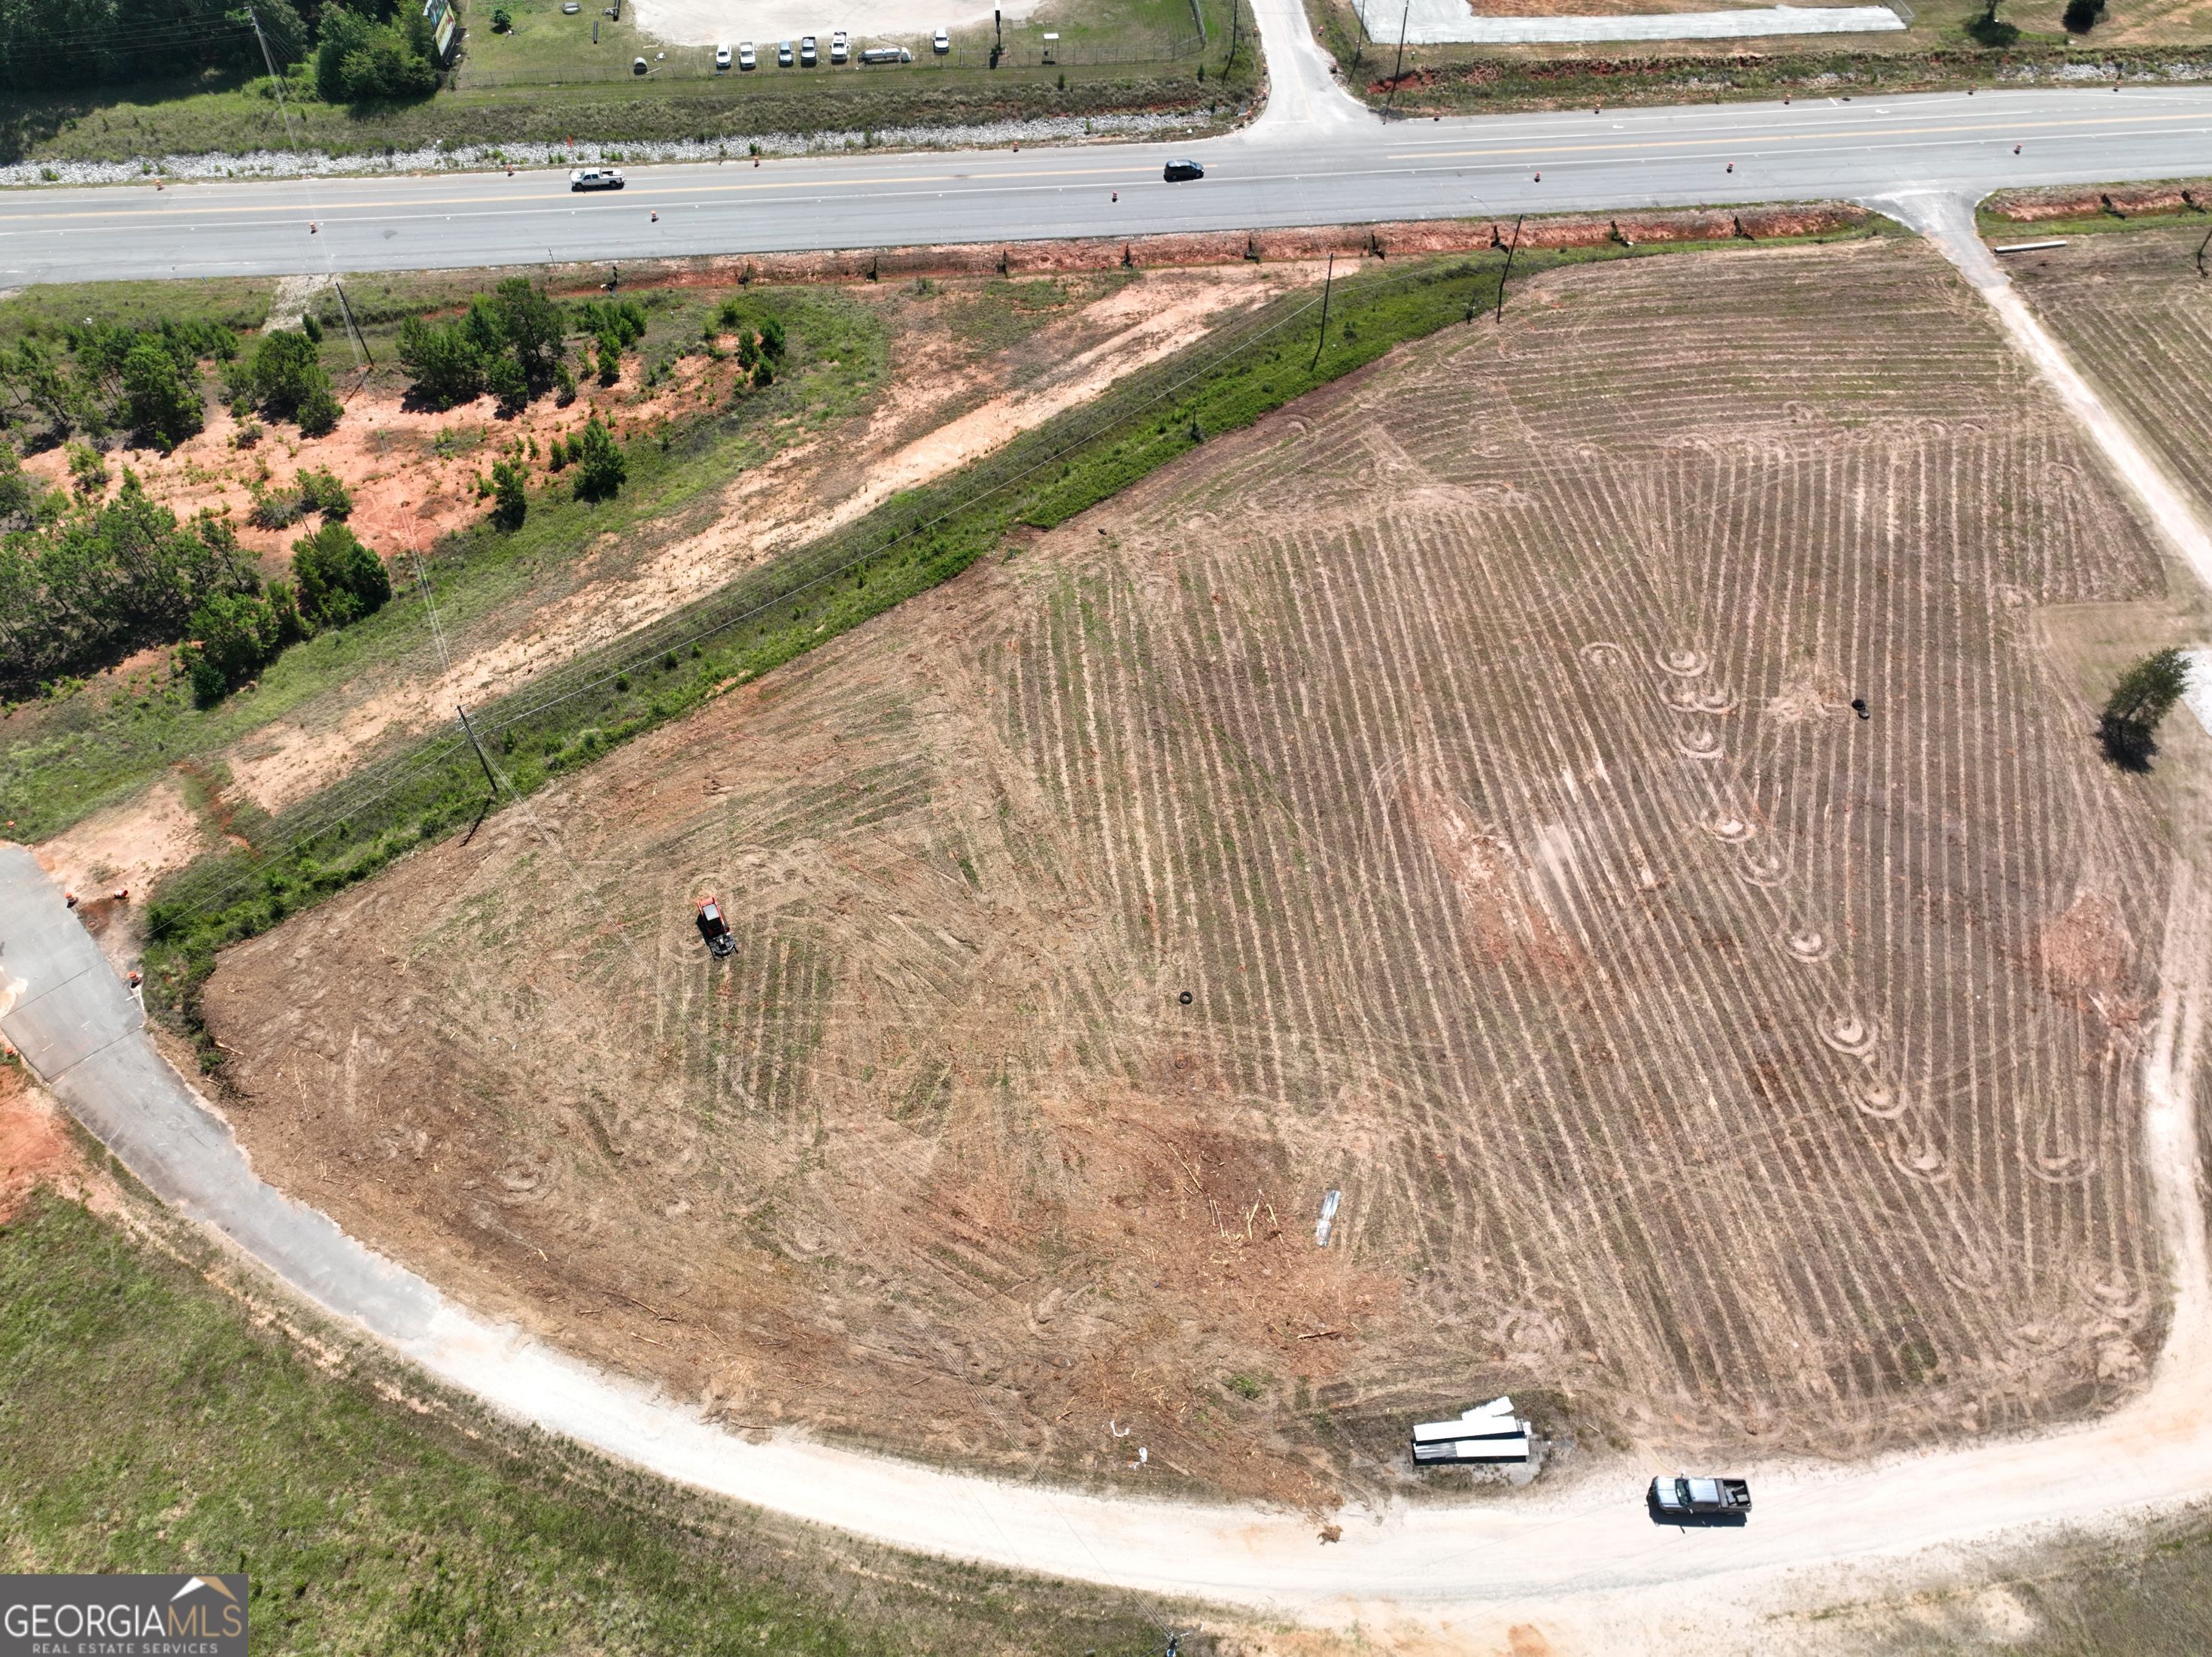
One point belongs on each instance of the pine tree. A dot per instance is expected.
(2145, 694)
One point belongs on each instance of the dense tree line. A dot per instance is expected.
(105, 378)
(368, 51)
(68, 46)
(372, 53)
(85, 586)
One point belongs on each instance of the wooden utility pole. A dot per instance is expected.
(1508, 270)
(1403, 18)
(1321, 338)
(360, 339)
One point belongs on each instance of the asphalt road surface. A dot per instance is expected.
(1337, 166)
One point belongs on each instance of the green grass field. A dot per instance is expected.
(151, 1423)
(545, 82)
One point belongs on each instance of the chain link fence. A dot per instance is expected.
(1023, 48)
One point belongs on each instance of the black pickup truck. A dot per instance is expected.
(1677, 1501)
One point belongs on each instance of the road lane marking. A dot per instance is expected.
(2011, 129)
(1856, 136)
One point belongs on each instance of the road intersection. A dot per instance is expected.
(1312, 156)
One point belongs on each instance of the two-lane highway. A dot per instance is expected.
(1317, 171)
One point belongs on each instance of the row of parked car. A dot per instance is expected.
(808, 53)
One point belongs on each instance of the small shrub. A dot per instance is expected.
(340, 580)
(88, 469)
(512, 499)
(600, 468)
(273, 511)
(502, 20)
(320, 492)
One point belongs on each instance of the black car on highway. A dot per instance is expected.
(1177, 172)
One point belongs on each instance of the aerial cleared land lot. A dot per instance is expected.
(1473, 744)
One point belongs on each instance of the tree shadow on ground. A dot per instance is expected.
(2128, 745)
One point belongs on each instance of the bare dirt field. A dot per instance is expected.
(1473, 744)
(2134, 314)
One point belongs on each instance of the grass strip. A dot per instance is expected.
(151, 1423)
(570, 717)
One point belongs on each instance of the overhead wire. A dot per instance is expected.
(848, 566)
(350, 805)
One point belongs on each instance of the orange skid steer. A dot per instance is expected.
(716, 931)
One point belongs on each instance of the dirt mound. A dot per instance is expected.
(2080, 201)
(1421, 236)
(35, 1149)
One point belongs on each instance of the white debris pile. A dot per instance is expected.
(1486, 1432)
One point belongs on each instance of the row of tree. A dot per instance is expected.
(362, 51)
(108, 377)
(67, 45)
(86, 586)
(147, 382)
(512, 342)
(83, 585)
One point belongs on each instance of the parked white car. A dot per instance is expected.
(841, 46)
(721, 58)
(940, 43)
(745, 58)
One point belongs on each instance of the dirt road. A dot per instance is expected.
(1571, 1551)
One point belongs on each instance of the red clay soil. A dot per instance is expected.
(1393, 239)
(34, 1150)
(2121, 201)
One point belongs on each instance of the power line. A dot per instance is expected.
(845, 568)
(338, 812)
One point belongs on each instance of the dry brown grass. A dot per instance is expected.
(1472, 742)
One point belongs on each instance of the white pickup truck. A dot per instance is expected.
(596, 178)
